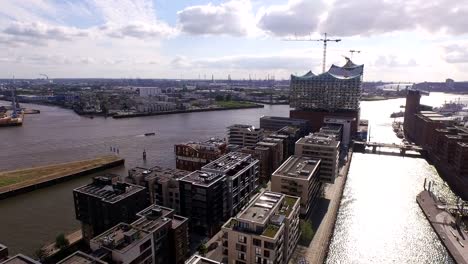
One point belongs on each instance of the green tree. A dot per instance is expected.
(61, 241)
(40, 254)
(219, 97)
(202, 249)
(307, 233)
(228, 97)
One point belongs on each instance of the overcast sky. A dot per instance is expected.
(399, 40)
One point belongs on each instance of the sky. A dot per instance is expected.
(398, 40)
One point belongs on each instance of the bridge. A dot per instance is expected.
(374, 145)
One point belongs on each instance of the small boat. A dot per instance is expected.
(150, 134)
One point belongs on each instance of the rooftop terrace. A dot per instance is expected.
(261, 209)
(81, 258)
(20, 259)
(315, 139)
(163, 174)
(228, 162)
(109, 191)
(155, 216)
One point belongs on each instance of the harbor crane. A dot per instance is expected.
(325, 41)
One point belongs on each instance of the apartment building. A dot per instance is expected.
(20, 259)
(80, 257)
(192, 156)
(197, 259)
(241, 172)
(299, 176)
(203, 199)
(267, 231)
(106, 202)
(323, 147)
(161, 184)
(275, 123)
(244, 135)
(262, 154)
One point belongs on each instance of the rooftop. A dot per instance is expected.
(121, 237)
(20, 259)
(162, 174)
(315, 139)
(203, 178)
(81, 258)
(108, 190)
(229, 162)
(347, 71)
(262, 207)
(281, 118)
(155, 216)
(212, 144)
(244, 127)
(298, 167)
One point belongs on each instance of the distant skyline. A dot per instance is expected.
(412, 40)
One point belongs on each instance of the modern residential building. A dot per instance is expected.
(244, 135)
(293, 133)
(170, 233)
(267, 231)
(125, 244)
(262, 154)
(332, 130)
(161, 184)
(241, 172)
(275, 123)
(197, 259)
(192, 156)
(203, 200)
(276, 152)
(20, 259)
(81, 258)
(325, 148)
(299, 176)
(106, 202)
(336, 93)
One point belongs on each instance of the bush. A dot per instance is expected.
(61, 241)
(307, 233)
(202, 249)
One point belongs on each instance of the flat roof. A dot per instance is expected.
(228, 162)
(196, 259)
(121, 237)
(298, 167)
(314, 139)
(81, 258)
(155, 216)
(262, 207)
(203, 178)
(20, 259)
(108, 191)
(162, 174)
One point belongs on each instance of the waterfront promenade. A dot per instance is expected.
(317, 250)
(443, 223)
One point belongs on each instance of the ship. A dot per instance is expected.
(450, 108)
(13, 117)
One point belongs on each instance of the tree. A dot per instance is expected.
(40, 254)
(307, 233)
(228, 97)
(61, 241)
(202, 249)
(219, 97)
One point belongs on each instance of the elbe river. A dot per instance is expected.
(378, 222)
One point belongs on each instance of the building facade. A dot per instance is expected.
(244, 135)
(275, 123)
(106, 202)
(325, 148)
(192, 156)
(267, 231)
(299, 176)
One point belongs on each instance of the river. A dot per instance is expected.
(58, 135)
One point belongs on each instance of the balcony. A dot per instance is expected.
(270, 231)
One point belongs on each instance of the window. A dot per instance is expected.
(241, 256)
(258, 251)
(242, 239)
(266, 254)
(257, 242)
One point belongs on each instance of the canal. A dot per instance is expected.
(58, 135)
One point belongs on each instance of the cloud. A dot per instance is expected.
(371, 17)
(123, 11)
(23, 32)
(246, 62)
(138, 30)
(231, 18)
(456, 53)
(299, 17)
(393, 61)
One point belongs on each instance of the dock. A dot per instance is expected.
(25, 180)
(73, 238)
(454, 239)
